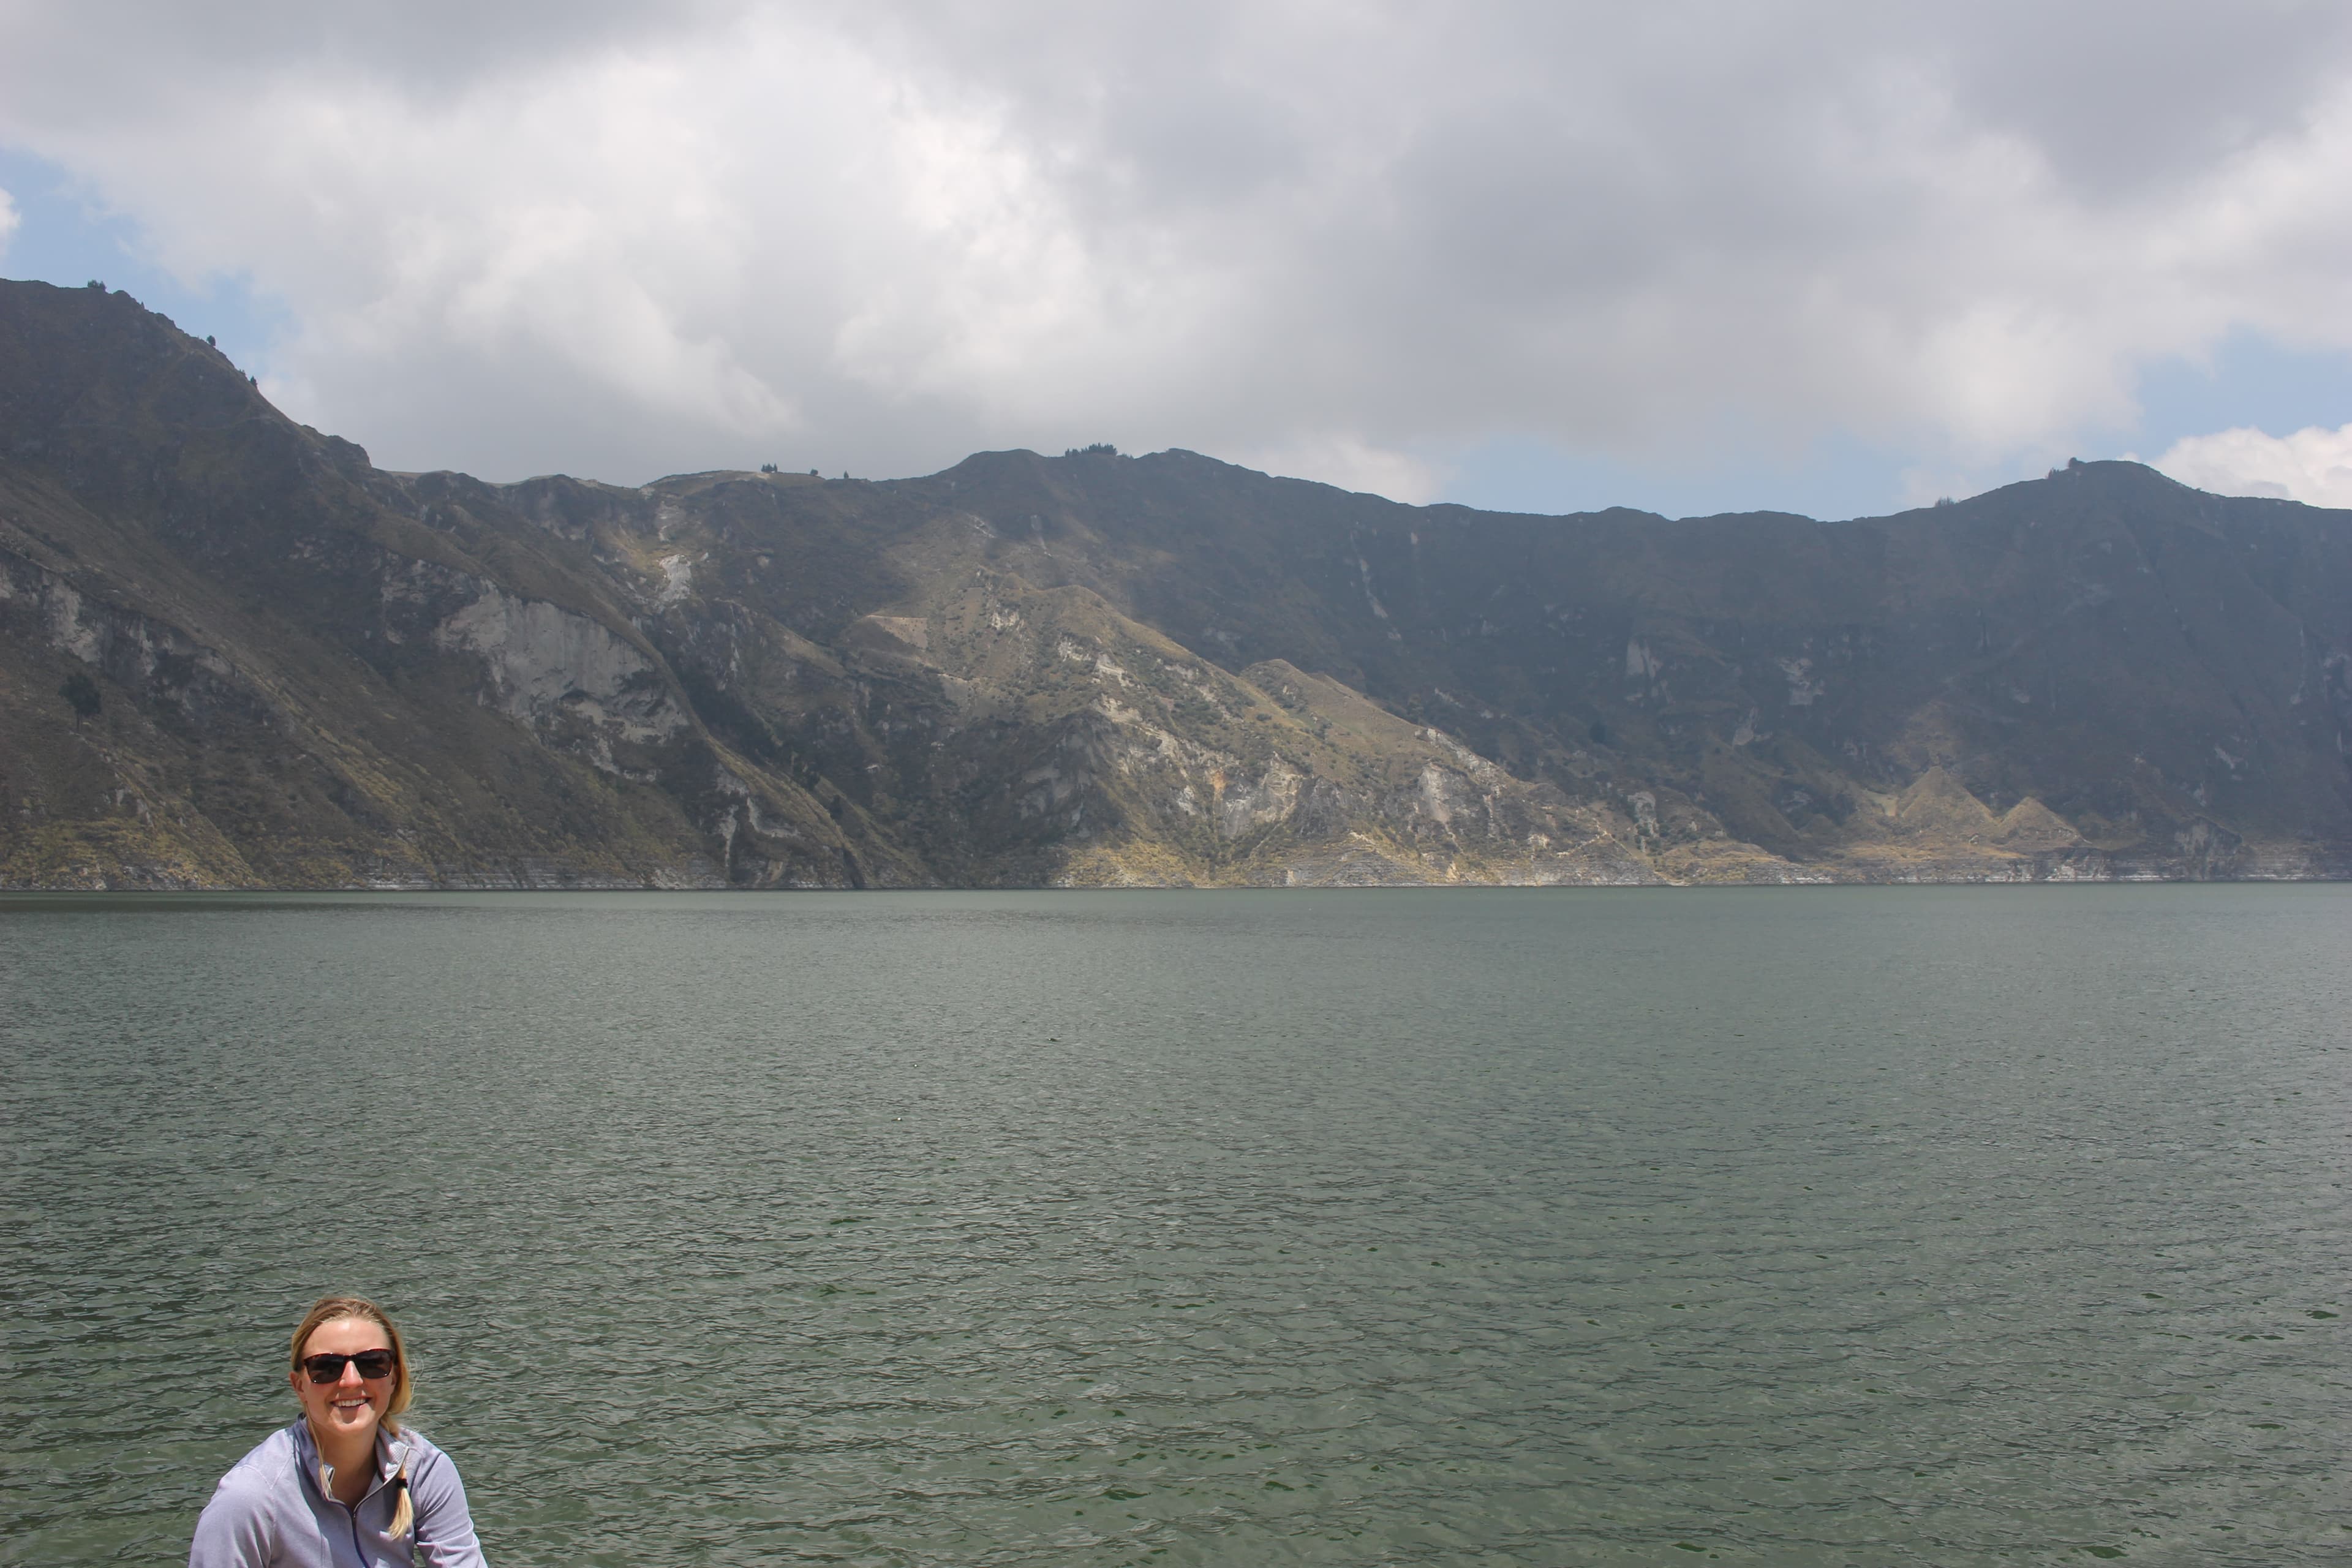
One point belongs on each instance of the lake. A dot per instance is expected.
(1823, 1225)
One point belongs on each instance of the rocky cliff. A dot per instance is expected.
(233, 654)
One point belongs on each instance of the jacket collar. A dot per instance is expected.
(390, 1453)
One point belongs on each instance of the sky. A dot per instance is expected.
(1549, 257)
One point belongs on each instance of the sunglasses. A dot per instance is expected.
(328, 1368)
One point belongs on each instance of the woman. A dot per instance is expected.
(345, 1485)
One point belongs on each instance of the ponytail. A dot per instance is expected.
(404, 1517)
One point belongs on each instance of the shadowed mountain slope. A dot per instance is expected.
(232, 653)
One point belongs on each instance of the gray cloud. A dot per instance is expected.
(622, 239)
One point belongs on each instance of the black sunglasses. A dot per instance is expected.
(328, 1368)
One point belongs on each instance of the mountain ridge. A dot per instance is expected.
(1100, 670)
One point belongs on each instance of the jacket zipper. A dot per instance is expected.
(359, 1547)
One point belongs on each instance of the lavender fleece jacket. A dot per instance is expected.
(270, 1511)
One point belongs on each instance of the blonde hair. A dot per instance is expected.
(334, 1309)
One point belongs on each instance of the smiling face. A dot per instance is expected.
(351, 1408)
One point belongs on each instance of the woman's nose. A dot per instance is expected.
(351, 1373)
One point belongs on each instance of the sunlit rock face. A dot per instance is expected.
(233, 653)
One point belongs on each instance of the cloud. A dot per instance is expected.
(9, 222)
(2313, 466)
(1350, 463)
(624, 238)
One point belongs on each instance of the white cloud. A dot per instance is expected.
(1349, 463)
(9, 219)
(621, 237)
(2313, 466)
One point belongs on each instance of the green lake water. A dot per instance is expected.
(1806, 1226)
